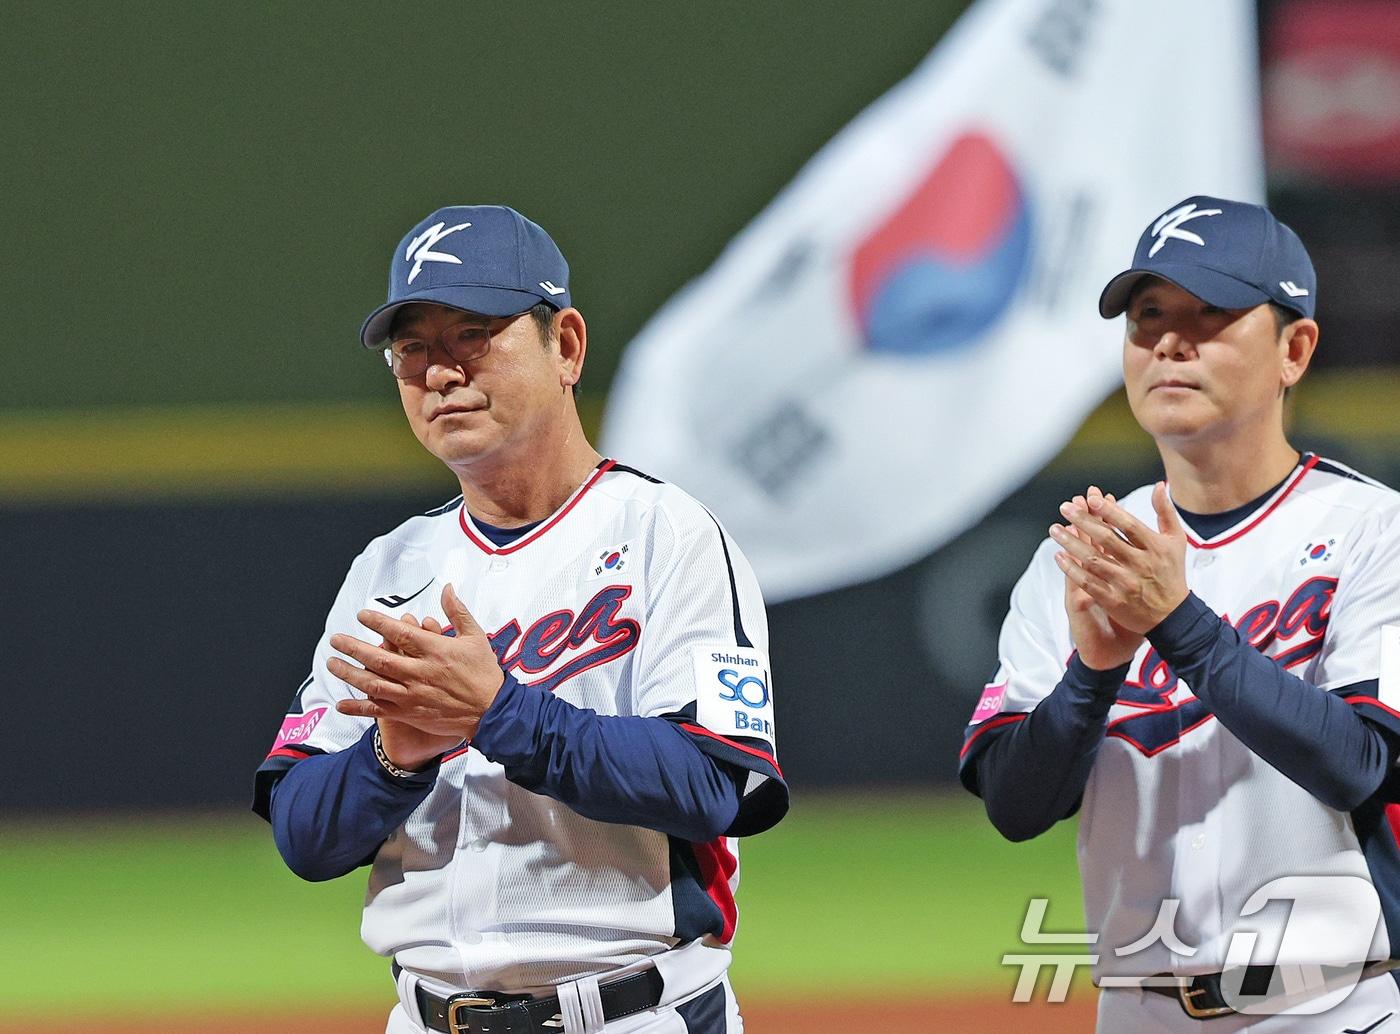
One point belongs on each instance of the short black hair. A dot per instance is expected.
(543, 315)
(1283, 316)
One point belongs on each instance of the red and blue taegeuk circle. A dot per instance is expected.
(945, 264)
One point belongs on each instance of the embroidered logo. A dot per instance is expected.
(1168, 228)
(1291, 289)
(399, 601)
(1317, 551)
(419, 249)
(565, 644)
(608, 562)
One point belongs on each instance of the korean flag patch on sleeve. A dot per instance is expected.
(734, 692)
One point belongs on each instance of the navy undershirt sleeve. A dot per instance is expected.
(1033, 772)
(331, 812)
(623, 769)
(1311, 735)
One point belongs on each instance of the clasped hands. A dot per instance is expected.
(1122, 578)
(426, 690)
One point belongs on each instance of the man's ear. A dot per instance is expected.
(571, 333)
(1298, 341)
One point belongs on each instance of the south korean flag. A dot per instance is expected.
(609, 562)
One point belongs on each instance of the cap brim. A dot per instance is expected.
(1209, 285)
(484, 301)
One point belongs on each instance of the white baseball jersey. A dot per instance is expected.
(629, 600)
(1176, 807)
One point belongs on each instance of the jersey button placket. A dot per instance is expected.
(477, 858)
(459, 918)
(471, 905)
(1205, 780)
(1209, 853)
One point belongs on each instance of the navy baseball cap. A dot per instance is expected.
(487, 259)
(1227, 253)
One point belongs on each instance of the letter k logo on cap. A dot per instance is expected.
(418, 248)
(1169, 226)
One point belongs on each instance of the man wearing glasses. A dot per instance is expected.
(543, 711)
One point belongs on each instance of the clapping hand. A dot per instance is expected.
(1122, 578)
(427, 690)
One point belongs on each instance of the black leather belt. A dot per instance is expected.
(1202, 999)
(490, 1012)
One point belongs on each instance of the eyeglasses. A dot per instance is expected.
(409, 357)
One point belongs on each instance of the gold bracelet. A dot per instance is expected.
(385, 763)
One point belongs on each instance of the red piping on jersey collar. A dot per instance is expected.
(1308, 465)
(525, 540)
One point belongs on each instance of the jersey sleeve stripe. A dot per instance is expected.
(766, 758)
(270, 773)
(289, 752)
(995, 722)
(1370, 707)
(446, 507)
(1328, 467)
(623, 468)
(1372, 701)
(295, 706)
(763, 793)
(740, 636)
(1366, 688)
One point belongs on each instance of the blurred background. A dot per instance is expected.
(199, 201)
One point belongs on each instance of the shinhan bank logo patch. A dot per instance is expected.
(419, 249)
